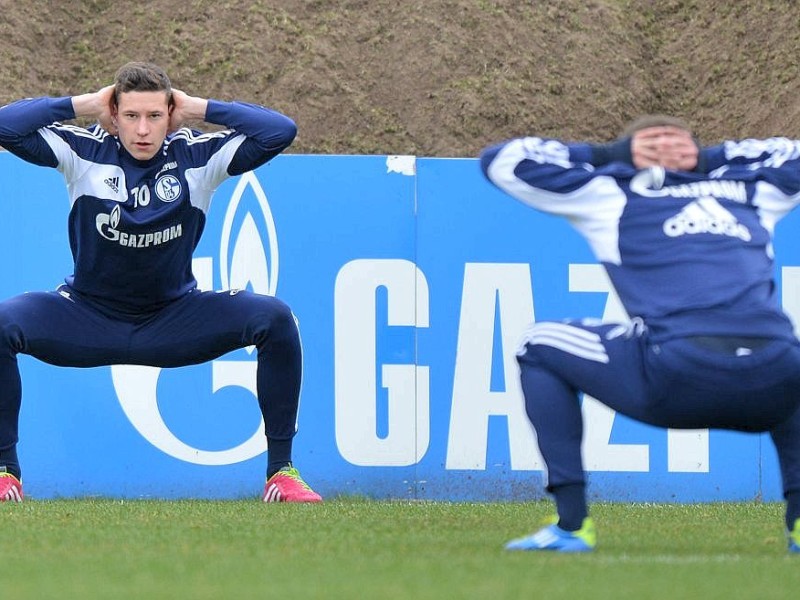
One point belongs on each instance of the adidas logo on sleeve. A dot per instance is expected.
(113, 183)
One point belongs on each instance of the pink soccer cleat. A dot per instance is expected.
(287, 486)
(10, 488)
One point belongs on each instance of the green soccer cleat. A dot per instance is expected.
(555, 539)
(794, 537)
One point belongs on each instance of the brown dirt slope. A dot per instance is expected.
(432, 78)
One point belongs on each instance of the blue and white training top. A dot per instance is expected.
(133, 225)
(688, 252)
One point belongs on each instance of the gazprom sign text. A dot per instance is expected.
(412, 280)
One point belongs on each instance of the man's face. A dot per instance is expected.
(142, 119)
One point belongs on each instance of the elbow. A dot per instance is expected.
(488, 155)
(288, 132)
(8, 138)
(7, 133)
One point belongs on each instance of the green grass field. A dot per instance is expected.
(353, 548)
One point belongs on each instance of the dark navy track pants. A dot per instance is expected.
(62, 328)
(675, 384)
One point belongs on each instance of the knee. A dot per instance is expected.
(274, 323)
(529, 355)
(11, 336)
(284, 322)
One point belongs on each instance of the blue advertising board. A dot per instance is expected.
(412, 280)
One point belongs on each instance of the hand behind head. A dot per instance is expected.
(664, 146)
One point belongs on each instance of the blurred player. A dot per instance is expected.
(686, 239)
(139, 187)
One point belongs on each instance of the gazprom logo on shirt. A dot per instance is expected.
(107, 227)
(248, 258)
(650, 183)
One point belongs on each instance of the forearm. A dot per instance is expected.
(536, 170)
(268, 127)
(24, 117)
(268, 132)
(92, 105)
(616, 151)
(194, 109)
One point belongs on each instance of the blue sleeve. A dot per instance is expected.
(267, 132)
(774, 160)
(596, 155)
(20, 122)
(540, 163)
(541, 174)
(771, 152)
(603, 154)
(711, 158)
